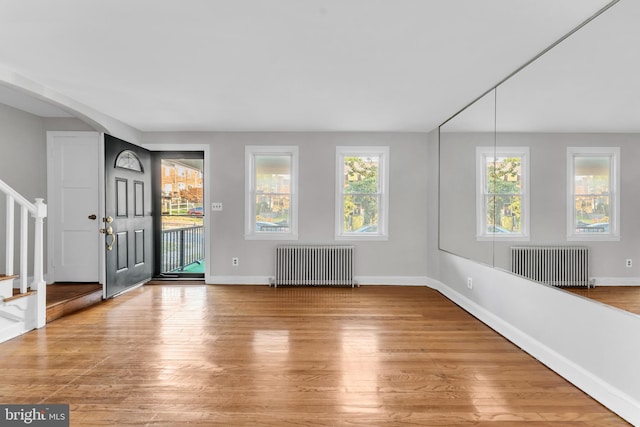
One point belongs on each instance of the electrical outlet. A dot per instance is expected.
(235, 262)
(469, 283)
(629, 263)
(216, 206)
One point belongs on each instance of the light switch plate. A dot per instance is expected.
(216, 206)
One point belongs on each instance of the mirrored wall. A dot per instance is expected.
(549, 156)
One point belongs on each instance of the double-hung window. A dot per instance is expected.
(593, 186)
(271, 192)
(362, 199)
(502, 204)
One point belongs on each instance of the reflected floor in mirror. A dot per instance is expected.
(623, 297)
(169, 355)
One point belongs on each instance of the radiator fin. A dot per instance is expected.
(314, 265)
(562, 266)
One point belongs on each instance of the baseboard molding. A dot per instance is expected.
(619, 402)
(362, 280)
(237, 280)
(616, 281)
(393, 280)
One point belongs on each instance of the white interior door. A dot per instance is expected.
(73, 180)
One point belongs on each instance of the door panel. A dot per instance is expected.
(74, 159)
(128, 203)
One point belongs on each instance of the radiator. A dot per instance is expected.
(554, 265)
(314, 265)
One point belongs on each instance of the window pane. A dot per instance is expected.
(361, 174)
(273, 193)
(592, 175)
(505, 215)
(272, 212)
(273, 174)
(504, 175)
(592, 214)
(361, 213)
(592, 191)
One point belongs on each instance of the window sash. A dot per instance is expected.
(347, 227)
(487, 229)
(593, 225)
(279, 222)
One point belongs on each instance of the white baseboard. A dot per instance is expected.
(362, 280)
(237, 280)
(616, 281)
(611, 397)
(393, 280)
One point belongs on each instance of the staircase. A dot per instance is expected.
(22, 302)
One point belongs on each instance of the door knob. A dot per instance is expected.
(108, 220)
(92, 217)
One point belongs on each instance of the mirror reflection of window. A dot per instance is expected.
(593, 211)
(502, 204)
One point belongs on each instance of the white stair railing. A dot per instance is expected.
(38, 211)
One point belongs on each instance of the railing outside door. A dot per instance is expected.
(181, 247)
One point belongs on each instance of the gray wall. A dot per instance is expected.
(548, 188)
(23, 162)
(23, 166)
(402, 257)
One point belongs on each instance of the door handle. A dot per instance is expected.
(108, 220)
(92, 217)
(108, 232)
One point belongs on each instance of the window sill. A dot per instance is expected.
(271, 236)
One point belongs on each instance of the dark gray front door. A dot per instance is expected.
(129, 259)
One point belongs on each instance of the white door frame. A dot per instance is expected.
(51, 191)
(205, 148)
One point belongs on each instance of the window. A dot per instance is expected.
(127, 159)
(271, 192)
(593, 186)
(502, 204)
(362, 184)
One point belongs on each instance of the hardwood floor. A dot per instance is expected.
(623, 297)
(66, 298)
(172, 355)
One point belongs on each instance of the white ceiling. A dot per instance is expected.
(276, 65)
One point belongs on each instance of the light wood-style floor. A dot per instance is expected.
(623, 297)
(175, 355)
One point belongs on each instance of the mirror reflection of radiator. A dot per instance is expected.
(563, 266)
(314, 265)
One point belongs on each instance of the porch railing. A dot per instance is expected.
(181, 247)
(38, 211)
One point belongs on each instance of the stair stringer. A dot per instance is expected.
(17, 316)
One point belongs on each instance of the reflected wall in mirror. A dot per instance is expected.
(459, 138)
(572, 108)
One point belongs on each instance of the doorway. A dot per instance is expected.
(179, 229)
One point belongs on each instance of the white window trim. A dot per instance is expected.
(614, 179)
(251, 151)
(481, 233)
(383, 179)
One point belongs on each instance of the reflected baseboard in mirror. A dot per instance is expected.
(623, 297)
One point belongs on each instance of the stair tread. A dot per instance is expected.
(5, 277)
(17, 294)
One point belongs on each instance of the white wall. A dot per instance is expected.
(401, 259)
